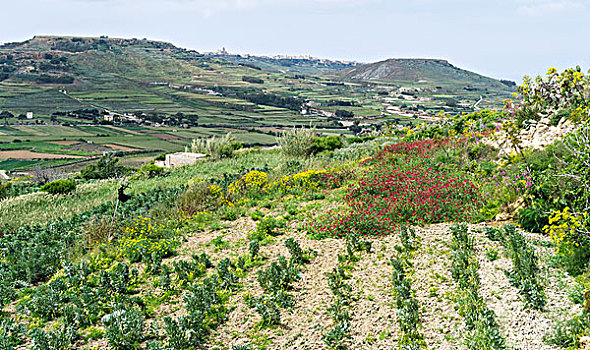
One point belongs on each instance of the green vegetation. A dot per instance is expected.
(59, 187)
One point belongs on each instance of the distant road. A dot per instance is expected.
(476, 103)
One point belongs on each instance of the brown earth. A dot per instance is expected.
(64, 143)
(120, 148)
(35, 155)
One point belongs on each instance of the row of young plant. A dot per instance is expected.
(81, 296)
(277, 281)
(408, 309)
(480, 322)
(342, 296)
(525, 269)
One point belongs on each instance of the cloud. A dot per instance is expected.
(544, 8)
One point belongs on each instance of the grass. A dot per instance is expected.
(42, 207)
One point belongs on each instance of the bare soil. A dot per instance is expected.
(35, 155)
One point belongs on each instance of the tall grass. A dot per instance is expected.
(216, 147)
(297, 142)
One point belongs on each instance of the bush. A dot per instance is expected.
(151, 170)
(59, 186)
(533, 219)
(107, 167)
(326, 144)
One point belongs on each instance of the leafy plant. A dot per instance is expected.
(298, 255)
(124, 328)
(62, 186)
(278, 276)
(254, 248)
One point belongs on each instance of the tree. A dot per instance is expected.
(5, 115)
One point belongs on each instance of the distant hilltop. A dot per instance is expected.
(427, 71)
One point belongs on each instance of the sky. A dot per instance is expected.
(499, 38)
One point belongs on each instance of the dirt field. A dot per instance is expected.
(120, 148)
(34, 155)
(64, 143)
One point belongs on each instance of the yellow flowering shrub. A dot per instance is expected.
(252, 182)
(567, 230)
(144, 237)
(298, 183)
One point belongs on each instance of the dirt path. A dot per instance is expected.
(374, 321)
(433, 283)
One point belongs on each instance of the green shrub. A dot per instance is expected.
(326, 144)
(62, 186)
(107, 167)
(151, 170)
(534, 218)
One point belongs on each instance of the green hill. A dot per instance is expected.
(427, 72)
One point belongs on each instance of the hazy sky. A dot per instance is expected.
(499, 38)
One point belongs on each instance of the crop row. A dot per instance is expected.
(342, 296)
(525, 267)
(480, 322)
(408, 309)
(276, 280)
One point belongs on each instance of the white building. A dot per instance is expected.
(29, 115)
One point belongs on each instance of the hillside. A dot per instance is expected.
(63, 97)
(421, 72)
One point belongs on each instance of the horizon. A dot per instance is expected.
(500, 39)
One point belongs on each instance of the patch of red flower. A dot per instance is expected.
(401, 187)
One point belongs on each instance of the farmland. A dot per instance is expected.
(158, 97)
